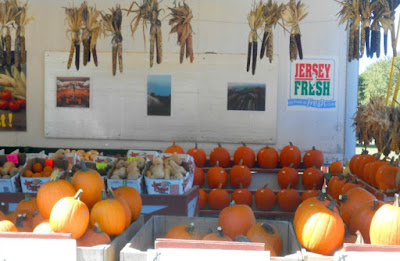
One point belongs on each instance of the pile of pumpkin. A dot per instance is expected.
(235, 222)
(39, 171)
(80, 207)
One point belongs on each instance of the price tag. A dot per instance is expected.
(49, 162)
(101, 165)
(12, 158)
(132, 158)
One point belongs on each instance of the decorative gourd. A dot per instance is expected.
(93, 237)
(183, 232)
(240, 175)
(370, 170)
(220, 155)
(288, 175)
(319, 229)
(202, 198)
(244, 154)
(288, 199)
(236, 219)
(268, 158)
(89, 181)
(219, 236)
(352, 200)
(124, 203)
(218, 198)
(27, 205)
(70, 215)
(362, 217)
(43, 228)
(133, 198)
(198, 177)
(242, 196)
(216, 176)
(52, 191)
(336, 167)
(313, 158)
(385, 223)
(7, 226)
(263, 232)
(290, 155)
(174, 149)
(199, 156)
(312, 177)
(311, 193)
(265, 198)
(386, 177)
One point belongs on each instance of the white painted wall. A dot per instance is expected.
(221, 27)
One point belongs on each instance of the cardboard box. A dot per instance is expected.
(171, 186)
(72, 158)
(101, 168)
(104, 159)
(14, 183)
(41, 154)
(117, 183)
(141, 245)
(149, 154)
(32, 185)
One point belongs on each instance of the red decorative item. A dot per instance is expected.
(13, 105)
(4, 104)
(6, 95)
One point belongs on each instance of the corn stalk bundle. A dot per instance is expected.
(21, 20)
(74, 19)
(292, 15)
(272, 14)
(181, 17)
(8, 13)
(91, 31)
(112, 24)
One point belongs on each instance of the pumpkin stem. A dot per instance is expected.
(267, 228)
(27, 197)
(364, 152)
(360, 239)
(4, 208)
(376, 205)
(20, 220)
(112, 195)
(291, 165)
(391, 163)
(241, 238)
(342, 198)
(54, 175)
(396, 200)
(220, 232)
(83, 166)
(233, 203)
(103, 194)
(244, 144)
(195, 145)
(190, 228)
(78, 194)
(219, 145)
(290, 143)
(217, 164)
(241, 162)
(97, 228)
(289, 186)
(265, 186)
(173, 143)
(313, 148)
(267, 147)
(219, 186)
(321, 196)
(331, 205)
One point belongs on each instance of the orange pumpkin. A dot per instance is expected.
(312, 177)
(321, 199)
(70, 215)
(199, 156)
(268, 158)
(352, 200)
(218, 198)
(236, 220)
(336, 167)
(355, 160)
(43, 228)
(219, 236)
(313, 158)
(240, 175)
(174, 149)
(90, 182)
(124, 203)
(386, 177)
(133, 198)
(220, 155)
(7, 226)
(311, 193)
(349, 185)
(365, 159)
(37, 167)
(244, 154)
(286, 176)
(216, 176)
(37, 218)
(335, 186)
(265, 198)
(27, 205)
(370, 170)
(290, 155)
(183, 232)
(198, 177)
(202, 198)
(93, 237)
(263, 232)
(288, 199)
(242, 196)
(52, 191)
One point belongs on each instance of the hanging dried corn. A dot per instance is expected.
(21, 20)
(366, 8)
(393, 4)
(112, 24)
(292, 15)
(181, 17)
(91, 31)
(74, 18)
(8, 13)
(350, 14)
(381, 20)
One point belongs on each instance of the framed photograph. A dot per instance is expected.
(246, 96)
(159, 95)
(73, 92)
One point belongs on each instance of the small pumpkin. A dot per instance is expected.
(265, 198)
(349, 185)
(202, 198)
(354, 161)
(93, 237)
(352, 200)
(242, 196)
(133, 198)
(268, 158)
(218, 198)
(198, 178)
(313, 158)
(365, 159)
(199, 156)
(27, 205)
(288, 175)
(336, 167)
(312, 177)
(183, 232)
(174, 149)
(245, 155)
(70, 215)
(288, 199)
(386, 177)
(220, 155)
(124, 203)
(370, 170)
(240, 175)
(290, 154)
(43, 228)
(219, 236)
(310, 193)
(335, 186)
(263, 232)
(217, 175)
(7, 226)
(236, 219)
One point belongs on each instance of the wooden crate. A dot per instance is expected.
(157, 227)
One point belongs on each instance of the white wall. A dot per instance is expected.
(222, 28)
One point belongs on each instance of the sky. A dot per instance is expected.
(159, 84)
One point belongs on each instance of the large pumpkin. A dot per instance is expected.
(312, 158)
(125, 205)
(198, 178)
(220, 155)
(174, 149)
(286, 176)
(386, 177)
(216, 176)
(218, 198)
(288, 199)
(265, 198)
(242, 196)
(318, 228)
(109, 214)
(312, 178)
(244, 154)
(70, 215)
(290, 155)
(240, 175)
(90, 182)
(183, 232)
(219, 236)
(385, 224)
(268, 158)
(52, 191)
(27, 205)
(263, 232)
(93, 237)
(133, 198)
(321, 199)
(352, 200)
(236, 220)
(199, 156)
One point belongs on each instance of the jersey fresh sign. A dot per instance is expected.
(312, 83)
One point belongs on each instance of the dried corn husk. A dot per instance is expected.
(74, 18)
(91, 31)
(272, 14)
(21, 20)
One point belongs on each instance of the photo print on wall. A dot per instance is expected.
(159, 95)
(73, 92)
(246, 96)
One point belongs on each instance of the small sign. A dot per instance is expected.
(132, 158)
(49, 162)
(12, 158)
(101, 165)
